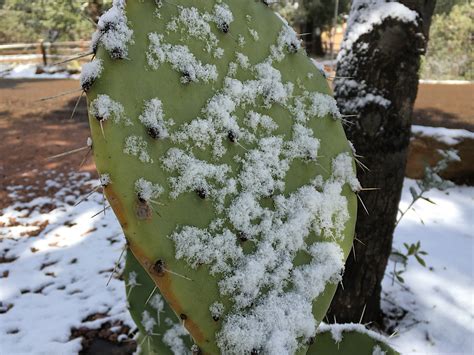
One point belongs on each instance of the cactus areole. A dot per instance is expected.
(228, 169)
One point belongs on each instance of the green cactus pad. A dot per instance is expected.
(161, 330)
(349, 339)
(228, 167)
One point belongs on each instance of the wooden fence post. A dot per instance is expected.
(43, 53)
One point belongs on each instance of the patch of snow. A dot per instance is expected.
(197, 175)
(222, 15)
(263, 171)
(446, 82)
(438, 298)
(137, 146)
(254, 34)
(152, 118)
(378, 351)
(157, 303)
(104, 180)
(172, 338)
(59, 277)
(191, 23)
(148, 322)
(146, 190)
(314, 104)
(243, 60)
(132, 279)
(216, 309)
(447, 136)
(219, 119)
(255, 120)
(104, 108)
(273, 326)
(303, 144)
(181, 60)
(270, 84)
(326, 266)
(113, 32)
(364, 95)
(287, 42)
(241, 41)
(200, 247)
(29, 71)
(90, 72)
(337, 331)
(343, 169)
(218, 53)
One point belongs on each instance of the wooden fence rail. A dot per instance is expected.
(41, 51)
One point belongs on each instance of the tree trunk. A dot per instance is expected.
(312, 38)
(380, 59)
(318, 44)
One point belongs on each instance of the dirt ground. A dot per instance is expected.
(444, 105)
(32, 130)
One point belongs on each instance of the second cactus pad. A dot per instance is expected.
(227, 166)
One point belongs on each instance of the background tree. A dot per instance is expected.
(318, 17)
(30, 21)
(312, 17)
(450, 54)
(381, 56)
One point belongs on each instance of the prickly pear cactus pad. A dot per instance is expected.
(349, 339)
(228, 168)
(161, 332)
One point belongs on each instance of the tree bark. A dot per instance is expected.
(380, 67)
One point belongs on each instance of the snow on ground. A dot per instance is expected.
(448, 136)
(54, 268)
(17, 57)
(440, 298)
(28, 71)
(55, 261)
(445, 82)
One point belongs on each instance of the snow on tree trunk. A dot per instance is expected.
(378, 69)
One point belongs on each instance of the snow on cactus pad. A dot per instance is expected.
(229, 169)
